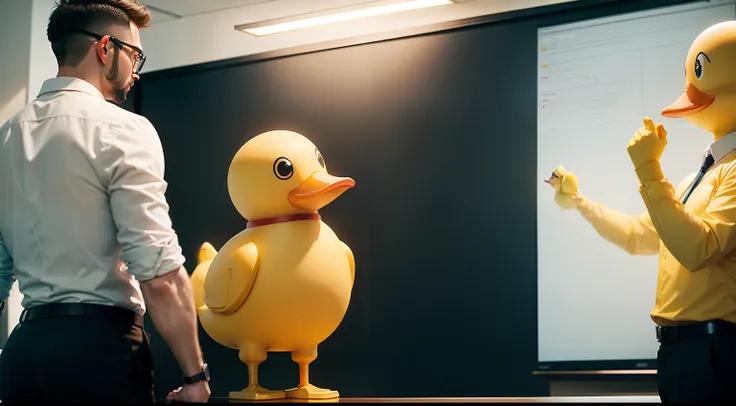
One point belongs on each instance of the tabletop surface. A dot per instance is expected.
(552, 399)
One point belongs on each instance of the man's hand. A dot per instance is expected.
(647, 144)
(195, 393)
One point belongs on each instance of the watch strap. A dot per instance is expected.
(203, 375)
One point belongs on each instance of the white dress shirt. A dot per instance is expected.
(83, 217)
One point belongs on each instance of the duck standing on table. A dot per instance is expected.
(284, 283)
(691, 228)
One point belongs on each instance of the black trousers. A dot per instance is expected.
(698, 367)
(77, 359)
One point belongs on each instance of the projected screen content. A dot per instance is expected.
(597, 80)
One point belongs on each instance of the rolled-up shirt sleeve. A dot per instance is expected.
(135, 167)
(6, 270)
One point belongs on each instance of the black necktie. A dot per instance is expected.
(707, 162)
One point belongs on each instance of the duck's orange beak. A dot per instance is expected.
(691, 102)
(318, 190)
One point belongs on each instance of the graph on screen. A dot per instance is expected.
(597, 79)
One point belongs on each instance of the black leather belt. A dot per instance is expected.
(81, 310)
(679, 333)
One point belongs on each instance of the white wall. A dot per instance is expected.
(43, 63)
(210, 37)
(14, 48)
(15, 38)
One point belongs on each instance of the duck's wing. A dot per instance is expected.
(227, 286)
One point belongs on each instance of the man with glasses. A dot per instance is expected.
(85, 228)
(137, 57)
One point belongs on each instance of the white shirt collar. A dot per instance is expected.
(65, 83)
(723, 146)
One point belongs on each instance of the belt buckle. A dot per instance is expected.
(658, 330)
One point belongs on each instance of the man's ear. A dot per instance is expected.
(102, 49)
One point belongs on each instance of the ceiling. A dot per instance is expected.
(165, 10)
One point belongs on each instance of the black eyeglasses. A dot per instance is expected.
(138, 60)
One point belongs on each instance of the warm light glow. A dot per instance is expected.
(344, 16)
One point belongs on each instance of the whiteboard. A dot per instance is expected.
(597, 79)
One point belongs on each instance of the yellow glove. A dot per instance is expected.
(648, 144)
(565, 185)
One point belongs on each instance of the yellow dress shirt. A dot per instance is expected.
(696, 278)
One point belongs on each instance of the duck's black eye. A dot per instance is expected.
(282, 168)
(319, 157)
(699, 65)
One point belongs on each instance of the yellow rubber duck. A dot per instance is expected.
(565, 185)
(709, 99)
(284, 283)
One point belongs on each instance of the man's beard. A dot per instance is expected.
(119, 84)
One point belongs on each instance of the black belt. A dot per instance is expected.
(679, 333)
(81, 310)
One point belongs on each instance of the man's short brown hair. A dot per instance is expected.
(72, 16)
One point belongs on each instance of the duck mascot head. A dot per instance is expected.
(709, 99)
(284, 283)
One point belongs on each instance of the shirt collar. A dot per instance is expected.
(723, 146)
(64, 83)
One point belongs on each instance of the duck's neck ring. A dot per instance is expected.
(283, 219)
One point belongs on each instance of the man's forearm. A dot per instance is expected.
(694, 240)
(171, 305)
(630, 233)
(6, 285)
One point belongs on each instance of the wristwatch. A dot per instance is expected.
(203, 375)
(2, 307)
